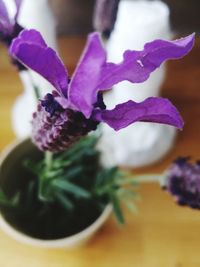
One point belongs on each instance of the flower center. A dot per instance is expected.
(50, 104)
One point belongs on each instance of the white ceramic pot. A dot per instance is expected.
(140, 144)
(8, 161)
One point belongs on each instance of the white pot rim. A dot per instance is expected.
(66, 242)
(10, 147)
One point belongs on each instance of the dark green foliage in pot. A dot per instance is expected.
(67, 193)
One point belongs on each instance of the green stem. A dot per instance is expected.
(48, 160)
(158, 178)
(145, 178)
(36, 91)
(48, 156)
(35, 88)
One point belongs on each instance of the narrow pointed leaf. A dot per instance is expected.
(116, 208)
(64, 201)
(71, 188)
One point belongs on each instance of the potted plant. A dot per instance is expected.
(36, 218)
(54, 190)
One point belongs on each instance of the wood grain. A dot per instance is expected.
(161, 234)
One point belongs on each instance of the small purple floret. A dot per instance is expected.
(183, 182)
(105, 14)
(50, 104)
(9, 27)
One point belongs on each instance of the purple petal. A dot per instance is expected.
(153, 109)
(137, 66)
(63, 101)
(6, 26)
(28, 37)
(82, 89)
(31, 50)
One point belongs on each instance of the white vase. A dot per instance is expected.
(37, 15)
(24, 106)
(141, 144)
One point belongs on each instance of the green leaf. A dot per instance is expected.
(126, 193)
(107, 176)
(113, 173)
(101, 178)
(64, 201)
(131, 206)
(28, 164)
(53, 174)
(73, 172)
(2, 195)
(15, 199)
(59, 164)
(9, 203)
(117, 208)
(66, 178)
(79, 148)
(71, 188)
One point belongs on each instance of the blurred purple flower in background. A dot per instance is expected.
(105, 14)
(77, 107)
(9, 28)
(183, 182)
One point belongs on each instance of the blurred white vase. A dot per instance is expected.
(140, 144)
(33, 15)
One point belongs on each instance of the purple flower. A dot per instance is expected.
(55, 128)
(9, 28)
(105, 14)
(80, 100)
(183, 182)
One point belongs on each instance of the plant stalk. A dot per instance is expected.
(35, 88)
(144, 178)
(48, 160)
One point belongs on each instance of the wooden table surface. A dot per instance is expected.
(161, 234)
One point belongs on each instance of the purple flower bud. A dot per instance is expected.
(183, 182)
(105, 14)
(55, 128)
(9, 28)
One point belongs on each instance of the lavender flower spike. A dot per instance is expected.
(105, 14)
(76, 107)
(9, 28)
(183, 182)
